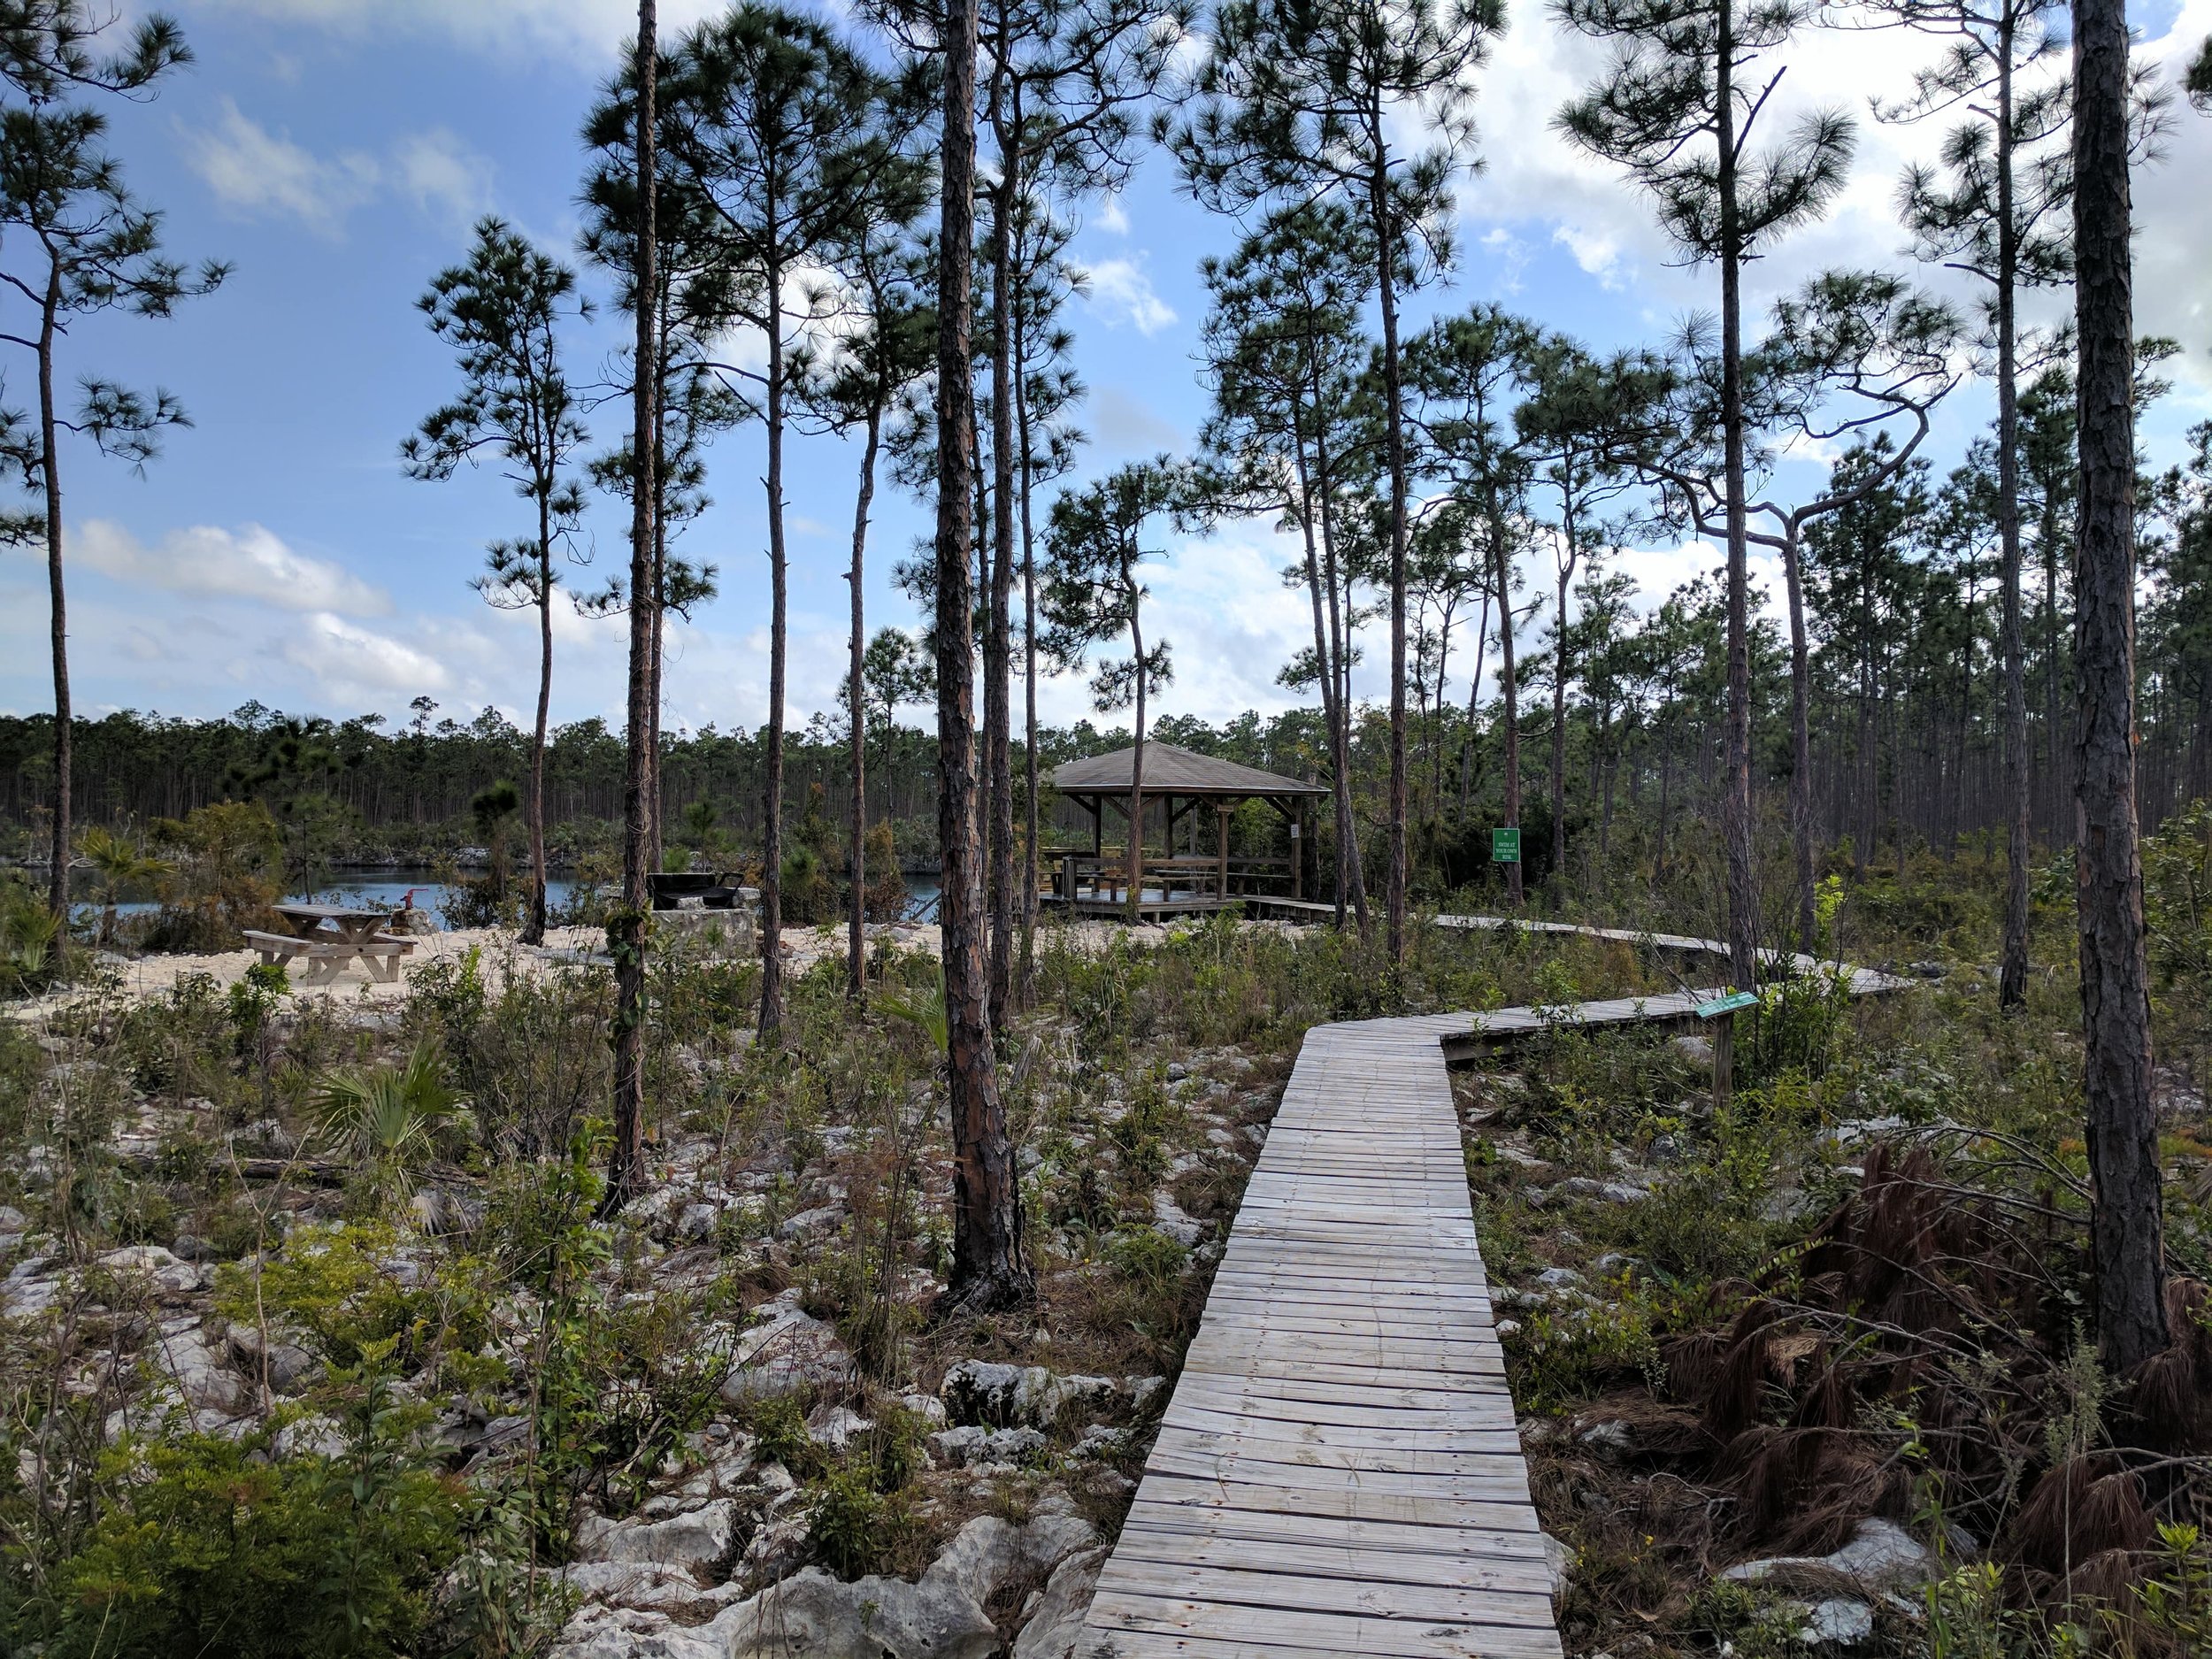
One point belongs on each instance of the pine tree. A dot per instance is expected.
(83, 246)
(1678, 111)
(503, 313)
(2127, 1219)
(777, 123)
(1302, 100)
(626, 924)
(1283, 348)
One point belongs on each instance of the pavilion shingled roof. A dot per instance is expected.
(1171, 771)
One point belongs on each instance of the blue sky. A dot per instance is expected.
(338, 151)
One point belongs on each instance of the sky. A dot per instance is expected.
(337, 153)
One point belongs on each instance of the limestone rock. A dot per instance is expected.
(1056, 1622)
(989, 1552)
(1837, 1622)
(1170, 1219)
(789, 1350)
(440, 1212)
(290, 1367)
(693, 1543)
(1880, 1556)
(150, 1262)
(812, 1616)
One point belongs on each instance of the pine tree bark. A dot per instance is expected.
(2127, 1235)
(771, 740)
(2012, 972)
(998, 658)
(1801, 743)
(1394, 437)
(1351, 869)
(990, 1265)
(49, 482)
(625, 929)
(1735, 806)
(534, 808)
(1509, 687)
(857, 710)
(1029, 668)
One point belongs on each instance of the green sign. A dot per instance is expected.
(1505, 846)
(1727, 1004)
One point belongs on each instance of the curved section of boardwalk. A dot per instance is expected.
(1337, 1471)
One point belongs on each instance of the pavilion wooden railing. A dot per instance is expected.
(1103, 877)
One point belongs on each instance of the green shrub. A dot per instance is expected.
(204, 1547)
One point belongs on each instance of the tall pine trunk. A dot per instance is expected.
(625, 929)
(2127, 1238)
(1508, 685)
(534, 808)
(1735, 806)
(990, 1266)
(1394, 437)
(50, 481)
(2012, 973)
(1029, 669)
(771, 785)
(857, 711)
(1800, 742)
(998, 656)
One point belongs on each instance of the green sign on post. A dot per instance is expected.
(1505, 846)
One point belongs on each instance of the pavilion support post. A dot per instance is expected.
(1136, 855)
(1221, 818)
(1298, 853)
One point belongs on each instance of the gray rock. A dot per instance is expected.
(788, 1351)
(1838, 1622)
(1170, 1219)
(151, 1263)
(440, 1212)
(1056, 1622)
(809, 1223)
(834, 1426)
(695, 1542)
(1597, 1191)
(1560, 1278)
(1880, 1556)
(290, 1367)
(989, 1552)
(1852, 1130)
(971, 1445)
(1558, 1561)
(813, 1615)
(696, 1223)
(13, 1220)
(607, 1632)
(1695, 1050)
(1609, 1436)
(987, 1392)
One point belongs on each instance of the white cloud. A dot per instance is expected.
(1111, 217)
(579, 31)
(247, 563)
(443, 176)
(1123, 426)
(352, 663)
(1120, 292)
(255, 173)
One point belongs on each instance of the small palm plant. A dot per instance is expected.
(121, 870)
(386, 1117)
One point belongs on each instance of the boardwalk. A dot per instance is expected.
(1337, 1471)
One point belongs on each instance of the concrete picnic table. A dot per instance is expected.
(328, 937)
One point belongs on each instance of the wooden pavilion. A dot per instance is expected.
(1194, 879)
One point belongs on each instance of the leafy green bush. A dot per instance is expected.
(208, 1546)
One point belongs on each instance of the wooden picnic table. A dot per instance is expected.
(329, 937)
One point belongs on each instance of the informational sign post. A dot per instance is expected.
(1723, 1009)
(1505, 846)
